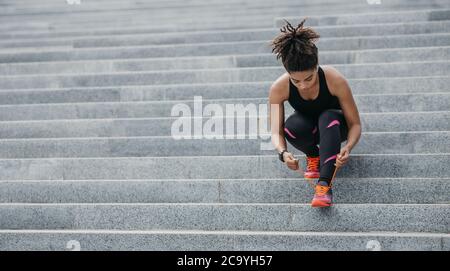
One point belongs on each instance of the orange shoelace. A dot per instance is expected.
(322, 190)
(313, 163)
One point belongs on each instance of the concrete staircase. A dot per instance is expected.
(87, 157)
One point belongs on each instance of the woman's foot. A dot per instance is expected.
(323, 196)
(312, 168)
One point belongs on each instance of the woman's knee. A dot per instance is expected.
(330, 118)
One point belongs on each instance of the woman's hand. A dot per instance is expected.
(290, 161)
(342, 157)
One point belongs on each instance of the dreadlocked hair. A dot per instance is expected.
(296, 48)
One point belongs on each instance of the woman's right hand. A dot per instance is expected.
(290, 161)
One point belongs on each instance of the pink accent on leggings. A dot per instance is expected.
(315, 130)
(331, 158)
(334, 122)
(287, 131)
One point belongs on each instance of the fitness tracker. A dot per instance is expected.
(280, 155)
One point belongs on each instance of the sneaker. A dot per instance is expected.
(312, 168)
(323, 196)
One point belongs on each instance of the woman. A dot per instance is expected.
(325, 111)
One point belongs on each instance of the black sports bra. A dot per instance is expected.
(313, 108)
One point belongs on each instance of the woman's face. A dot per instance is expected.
(304, 80)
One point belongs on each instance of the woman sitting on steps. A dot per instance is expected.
(325, 111)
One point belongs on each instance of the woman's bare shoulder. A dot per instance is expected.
(333, 77)
(280, 88)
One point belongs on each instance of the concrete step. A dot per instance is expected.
(114, 27)
(221, 62)
(228, 35)
(167, 240)
(25, 26)
(257, 34)
(189, 18)
(209, 19)
(369, 70)
(371, 122)
(371, 18)
(370, 143)
(295, 190)
(364, 86)
(87, 7)
(163, 10)
(208, 167)
(366, 103)
(157, 3)
(156, 15)
(220, 48)
(430, 218)
(20, 8)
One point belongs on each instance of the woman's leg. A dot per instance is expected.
(300, 131)
(332, 131)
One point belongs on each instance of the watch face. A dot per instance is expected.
(280, 155)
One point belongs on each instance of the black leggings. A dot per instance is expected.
(329, 129)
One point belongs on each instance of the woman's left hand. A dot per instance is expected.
(342, 157)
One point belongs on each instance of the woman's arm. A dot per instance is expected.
(351, 114)
(341, 89)
(276, 118)
(277, 96)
